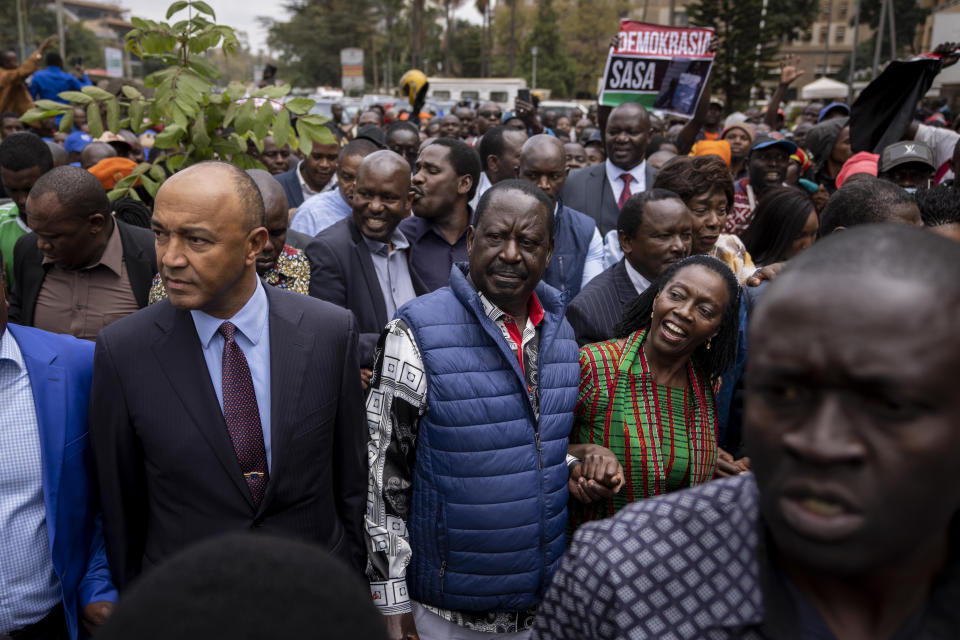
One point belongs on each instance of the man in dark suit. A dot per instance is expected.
(313, 174)
(655, 230)
(362, 263)
(230, 406)
(600, 190)
(79, 270)
(53, 564)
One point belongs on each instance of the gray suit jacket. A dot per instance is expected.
(588, 190)
(599, 306)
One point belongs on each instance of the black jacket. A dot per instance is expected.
(599, 306)
(588, 190)
(342, 272)
(167, 469)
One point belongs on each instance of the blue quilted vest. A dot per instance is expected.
(571, 241)
(489, 503)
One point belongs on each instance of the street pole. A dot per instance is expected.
(853, 55)
(826, 41)
(893, 31)
(63, 46)
(20, 35)
(533, 52)
(879, 37)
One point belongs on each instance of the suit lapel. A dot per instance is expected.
(608, 202)
(625, 289)
(48, 383)
(140, 274)
(33, 276)
(289, 351)
(181, 357)
(369, 274)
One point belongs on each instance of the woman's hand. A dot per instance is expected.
(727, 466)
(598, 476)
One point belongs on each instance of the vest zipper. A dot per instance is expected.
(443, 570)
(536, 436)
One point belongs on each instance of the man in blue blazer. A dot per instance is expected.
(53, 566)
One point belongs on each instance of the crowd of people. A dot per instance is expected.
(486, 374)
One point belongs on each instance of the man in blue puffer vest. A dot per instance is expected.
(469, 411)
(578, 247)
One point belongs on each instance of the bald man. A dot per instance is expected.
(79, 269)
(279, 264)
(600, 190)
(362, 262)
(578, 247)
(229, 406)
(95, 152)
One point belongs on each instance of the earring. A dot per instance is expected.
(708, 343)
(651, 315)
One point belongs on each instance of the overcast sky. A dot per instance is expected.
(242, 14)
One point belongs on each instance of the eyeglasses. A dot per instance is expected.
(490, 114)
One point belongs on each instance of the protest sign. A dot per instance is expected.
(660, 67)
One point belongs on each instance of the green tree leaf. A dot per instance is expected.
(203, 7)
(131, 92)
(66, 122)
(176, 7)
(299, 106)
(94, 123)
(113, 115)
(245, 117)
(137, 124)
(281, 127)
(76, 97)
(152, 186)
(168, 137)
(96, 92)
(50, 105)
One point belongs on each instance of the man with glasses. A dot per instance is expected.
(488, 116)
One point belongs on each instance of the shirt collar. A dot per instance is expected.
(534, 310)
(10, 350)
(639, 172)
(398, 240)
(640, 283)
(307, 189)
(250, 320)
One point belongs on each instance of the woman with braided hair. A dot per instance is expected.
(648, 394)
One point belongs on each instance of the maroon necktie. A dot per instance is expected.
(626, 177)
(242, 414)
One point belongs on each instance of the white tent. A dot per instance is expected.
(824, 88)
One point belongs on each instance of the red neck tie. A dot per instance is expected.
(626, 177)
(242, 415)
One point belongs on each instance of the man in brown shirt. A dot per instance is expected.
(79, 270)
(13, 87)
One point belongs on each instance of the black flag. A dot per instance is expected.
(883, 111)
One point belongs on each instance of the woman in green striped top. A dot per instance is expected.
(648, 394)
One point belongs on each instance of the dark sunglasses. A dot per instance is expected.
(491, 114)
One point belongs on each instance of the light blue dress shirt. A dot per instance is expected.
(320, 211)
(253, 338)
(393, 271)
(29, 588)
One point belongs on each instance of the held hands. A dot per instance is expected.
(598, 476)
(95, 614)
(788, 69)
(949, 52)
(727, 466)
(769, 272)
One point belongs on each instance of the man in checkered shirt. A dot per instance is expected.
(850, 527)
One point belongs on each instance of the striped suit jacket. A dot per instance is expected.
(598, 307)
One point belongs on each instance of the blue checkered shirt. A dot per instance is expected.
(29, 589)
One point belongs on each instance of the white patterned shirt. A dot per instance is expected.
(29, 589)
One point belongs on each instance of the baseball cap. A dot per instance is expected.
(773, 139)
(906, 152)
(76, 141)
(833, 105)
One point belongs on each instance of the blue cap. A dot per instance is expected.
(76, 141)
(833, 105)
(773, 139)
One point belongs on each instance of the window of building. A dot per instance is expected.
(841, 31)
(498, 96)
(441, 93)
(824, 34)
(470, 95)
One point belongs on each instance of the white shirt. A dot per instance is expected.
(637, 185)
(640, 283)
(942, 142)
(612, 253)
(482, 185)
